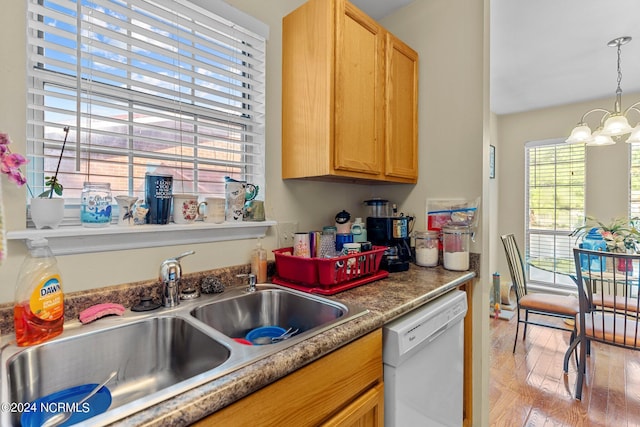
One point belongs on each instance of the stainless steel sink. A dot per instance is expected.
(150, 355)
(159, 355)
(237, 315)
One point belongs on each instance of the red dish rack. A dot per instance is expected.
(328, 276)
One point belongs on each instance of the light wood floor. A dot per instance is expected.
(529, 389)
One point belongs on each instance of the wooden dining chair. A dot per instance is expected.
(609, 304)
(536, 303)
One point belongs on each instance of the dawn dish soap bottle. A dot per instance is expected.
(38, 313)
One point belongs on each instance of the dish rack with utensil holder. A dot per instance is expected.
(328, 276)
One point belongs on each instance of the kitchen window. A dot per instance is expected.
(554, 206)
(159, 86)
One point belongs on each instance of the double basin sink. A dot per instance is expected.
(161, 354)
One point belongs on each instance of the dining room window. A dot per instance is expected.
(160, 86)
(634, 180)
(554, 206)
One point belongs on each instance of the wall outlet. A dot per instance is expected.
(286, 230)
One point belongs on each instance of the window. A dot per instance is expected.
(555, 205)
(145, 86)
(634, 181)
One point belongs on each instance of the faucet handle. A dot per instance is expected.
(252, 281)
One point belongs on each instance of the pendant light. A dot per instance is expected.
(613, 124)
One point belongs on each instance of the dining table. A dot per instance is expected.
(564, 266)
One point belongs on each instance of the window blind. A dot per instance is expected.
(145, 86)
(634, 181)
(555, 203)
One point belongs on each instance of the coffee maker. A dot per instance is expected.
(385, 228)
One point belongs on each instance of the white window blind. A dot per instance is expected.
(145, 86)
(634, 181)
(554, 204)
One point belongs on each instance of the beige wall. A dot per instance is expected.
(453, 146)
(454, 132)
(607, 167)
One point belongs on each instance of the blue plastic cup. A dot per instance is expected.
(341, 239)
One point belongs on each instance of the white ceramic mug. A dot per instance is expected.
(185, 208)
(211, 209)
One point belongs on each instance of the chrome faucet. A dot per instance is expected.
(170, 275)
(252, 281)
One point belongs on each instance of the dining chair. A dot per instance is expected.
(536, 303)
(609, 305)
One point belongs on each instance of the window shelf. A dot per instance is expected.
(80, 240)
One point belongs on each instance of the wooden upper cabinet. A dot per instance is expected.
(349, 90)
(359, 92)
(401, 100)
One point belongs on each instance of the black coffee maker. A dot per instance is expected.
(384, 228)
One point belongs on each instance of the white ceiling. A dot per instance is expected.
(553, 52)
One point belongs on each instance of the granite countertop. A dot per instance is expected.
(386, 300)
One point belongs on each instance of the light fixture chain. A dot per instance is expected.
(619, 90)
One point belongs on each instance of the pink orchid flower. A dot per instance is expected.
(10, 162)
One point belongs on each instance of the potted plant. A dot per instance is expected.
(47, 211)
(621, 236)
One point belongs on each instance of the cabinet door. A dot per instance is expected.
(359, 93)
(366, 411)
(401, 145)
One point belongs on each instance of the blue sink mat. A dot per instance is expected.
(97, 404)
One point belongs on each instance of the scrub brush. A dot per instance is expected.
(211, 285)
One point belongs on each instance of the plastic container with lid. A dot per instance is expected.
(427, 248)
(95, 209)
(38, 312)
(455, 247)
(359, 231)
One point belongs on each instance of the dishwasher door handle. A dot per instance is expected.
(437, 333)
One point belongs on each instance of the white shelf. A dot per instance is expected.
(78, 239)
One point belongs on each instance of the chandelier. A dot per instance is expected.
(613, 124)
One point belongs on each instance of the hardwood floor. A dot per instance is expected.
(529, 388)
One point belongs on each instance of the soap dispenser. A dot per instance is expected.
(38, 312)
(259, 263)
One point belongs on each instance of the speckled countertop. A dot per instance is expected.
(386, 300)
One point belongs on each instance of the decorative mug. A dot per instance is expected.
(301, 246)
(350, 249)
(125, 209)
(185, 208)
(236, 194)
(254, 210)
(211, 209)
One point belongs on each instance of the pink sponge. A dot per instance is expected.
(100, 310)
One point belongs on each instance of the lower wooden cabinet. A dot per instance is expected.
(343, 388)
(367, 410)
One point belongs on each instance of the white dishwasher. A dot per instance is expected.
(423, 355)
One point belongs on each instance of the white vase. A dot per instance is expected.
(47, 213)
